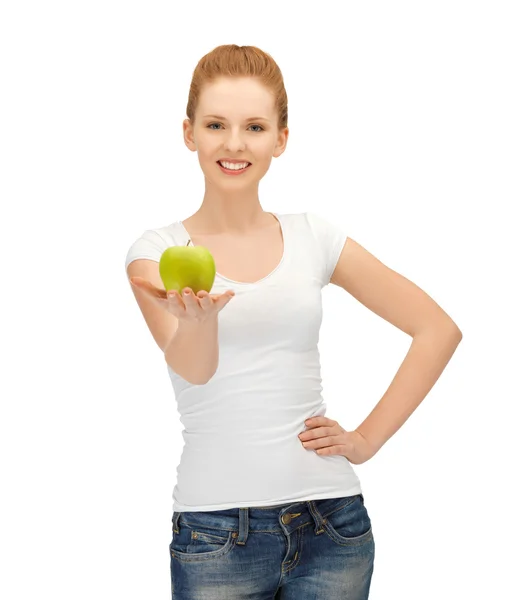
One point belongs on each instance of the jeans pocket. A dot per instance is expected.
(349, 524)
(197, 541)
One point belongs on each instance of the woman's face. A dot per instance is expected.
(235, 119)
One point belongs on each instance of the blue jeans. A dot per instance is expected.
(298, 551)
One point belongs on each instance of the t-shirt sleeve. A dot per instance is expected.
(330, 239)
(149, 245)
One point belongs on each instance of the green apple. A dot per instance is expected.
(184, 266)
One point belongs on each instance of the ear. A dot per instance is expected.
(188, 135)
(281, 142)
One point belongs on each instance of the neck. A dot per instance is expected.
(233, 213)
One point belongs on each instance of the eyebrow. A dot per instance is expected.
(225, 119)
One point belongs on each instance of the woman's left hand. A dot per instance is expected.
(328, 438)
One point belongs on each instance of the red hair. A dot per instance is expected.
(239, 61)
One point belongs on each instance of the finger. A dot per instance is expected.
(205, 300)
(136, 280)
(317, 443)
(175, 304)
(148, 287)
(223, 300)
(319, 431)
(218, 296)
(190, 301)
(316, 435)
(311, 444)
(174, 295)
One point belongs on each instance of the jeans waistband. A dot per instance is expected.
(288, 517)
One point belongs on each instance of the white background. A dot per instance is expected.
(401, 129)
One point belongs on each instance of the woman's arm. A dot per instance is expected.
(193, 351)
(425, 361)
(403, 304)
(190, 348)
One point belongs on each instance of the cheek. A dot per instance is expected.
(261, 150)
(206, 155)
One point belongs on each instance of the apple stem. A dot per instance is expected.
(188, 242)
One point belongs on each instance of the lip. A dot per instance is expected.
(231, 171)
(234, 161)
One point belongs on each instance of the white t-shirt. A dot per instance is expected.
(241, 445)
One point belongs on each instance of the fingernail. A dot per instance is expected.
(187, 293)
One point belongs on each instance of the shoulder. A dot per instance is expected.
(313, 221)
(151, 243)
(167, 235)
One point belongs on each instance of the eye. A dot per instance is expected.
(211, 124)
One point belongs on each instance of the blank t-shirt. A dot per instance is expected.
(241, 445)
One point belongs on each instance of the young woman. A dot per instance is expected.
(267, 504)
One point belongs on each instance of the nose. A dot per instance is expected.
(234, 141)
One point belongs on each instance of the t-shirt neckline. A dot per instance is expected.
(278, 266)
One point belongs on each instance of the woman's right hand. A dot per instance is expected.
(188, 306)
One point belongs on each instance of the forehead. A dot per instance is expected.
(232, 97)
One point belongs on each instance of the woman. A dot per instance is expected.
(267, 505)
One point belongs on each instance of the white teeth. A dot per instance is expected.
(234, 166)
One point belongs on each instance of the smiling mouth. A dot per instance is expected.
(234, 170)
